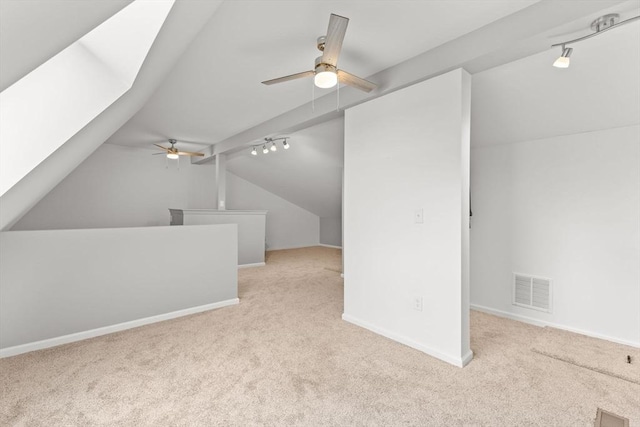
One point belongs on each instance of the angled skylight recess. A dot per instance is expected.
(44, 109)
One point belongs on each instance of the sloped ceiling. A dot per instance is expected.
(32, 31)
(309, 174)
(215, 91)
(529, 99)
(179, 29)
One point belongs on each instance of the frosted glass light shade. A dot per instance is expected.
(562, 62)
(325, 79)
(172, 156)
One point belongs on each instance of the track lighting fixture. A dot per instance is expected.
(600, 25)
(270, 145)
(563, 61)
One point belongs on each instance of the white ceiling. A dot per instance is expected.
(215, 90)
(522, 100)
(309, 174)
(32, 31)
(529, 99)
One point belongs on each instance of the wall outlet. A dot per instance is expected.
(418, 217)
(417, 303)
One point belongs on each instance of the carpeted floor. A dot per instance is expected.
(591, 353)
(285, 357)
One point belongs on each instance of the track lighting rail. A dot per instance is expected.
(273, 147)
(600, 31)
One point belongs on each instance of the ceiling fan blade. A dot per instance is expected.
(188, 153)
(155, 154)
(333, 41)
(355, 81)
(160, 146)
(290, 77)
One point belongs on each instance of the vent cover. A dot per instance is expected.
(532, 292)
(609, 419)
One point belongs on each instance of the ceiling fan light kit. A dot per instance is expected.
(326, 73)
(173, 153)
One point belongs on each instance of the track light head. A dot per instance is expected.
(285, 144)
(254, 152)
(273, 146)
(265, 150)
(563, 61)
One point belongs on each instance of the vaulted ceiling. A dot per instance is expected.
(212, 94)
(215, 92)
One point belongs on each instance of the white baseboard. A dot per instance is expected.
(329, 246)
(544, 323)
(467, 358)
(291, 247)
(255, 264)
(79, 336)
(456, 361)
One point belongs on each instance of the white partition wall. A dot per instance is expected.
(59, 286)
(406, 216)
(251, 229)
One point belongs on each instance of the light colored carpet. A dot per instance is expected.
(590, 353)
(285, 357)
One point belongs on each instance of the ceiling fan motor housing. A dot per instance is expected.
(321, 66)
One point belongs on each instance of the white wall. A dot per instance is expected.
(123, 187)
(251, 229)
(406, 151)
(555, 192)
(331, 231)
(57, 283)
(288, 226)
(567, 208)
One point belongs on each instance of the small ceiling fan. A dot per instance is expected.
(326, 73)
(173, 153)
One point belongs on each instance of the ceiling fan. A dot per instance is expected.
(326, 74)
(173, 153)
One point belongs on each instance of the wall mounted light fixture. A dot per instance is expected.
(600, 25)
(273, 147)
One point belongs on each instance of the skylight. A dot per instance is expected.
(44, 109)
